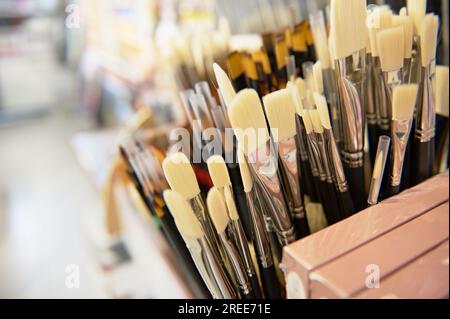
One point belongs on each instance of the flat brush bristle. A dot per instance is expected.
(348, 21)
(316, 121)
(225, 86)
(391, 48)
(183, 214)
(218, 171)
(307, 122)
(408, 32)
(246, 176)
(317, 75)
(217, 210)
(280, 112)
(180, 175)
(248, 121)
(442, 90)
(295, 96)
(380, 18)
(231, 205)
(417, 10)
(428, 38)
(322, 108)
(378, 166)
(403, 101)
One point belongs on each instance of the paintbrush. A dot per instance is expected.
(348, 22)
(403, 101)
(423, 149)
(280, 112)
(221, 180)
(269, 280)
(249, 125)
(219, 215)
(408, 31)
(416, 10)
(202, 253)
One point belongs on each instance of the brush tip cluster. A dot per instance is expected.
(280, 112)
(247, 119)
(403, 101)
(408, 30)
(183, 214)
(390, 43)
(231, 206)
(180, 175)
(428, 38)
(217, 210)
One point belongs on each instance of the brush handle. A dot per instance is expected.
(432, 156)
(255, 286)
(325, 200)
(393, 190)
(355, 178)
(240, 198)
(240, 82)
(333, 201)
(302, 227)
(373, 141)
(346, 204)
(421, 161)
(270, 283)
(177, 243)
(307, 177)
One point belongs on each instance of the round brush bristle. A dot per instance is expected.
(280, 112)
(247, 179)
(180, 175)
(217, 210)
(231, 205)
(218, 171)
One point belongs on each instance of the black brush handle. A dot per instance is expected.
(373, 141)
(179, 246)
(302, 226)
(240, 198)
(270, 283)
(250, 295)
(355, 179)
(277, 250)
(346, 204)
(432, 159)
(309, 181)
(333, 202)
(255, 286)
(393, 190)
(421, 161)
(240, 82)
(324, 199)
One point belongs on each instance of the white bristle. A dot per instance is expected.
(428, 38)
(403, 13)
(217, 210)
(417, 10)
(301, 87)
(322, 108)
(295, 96)
(316, 121)
(403, 101)
(380, 18)
(231, 205)
(307, 122)
(391, 48)
(280, 112)
(183, 214)
(442, 90)
(248, 121)
(378, 165)
(408, 32)
(318, 80)
(348, 21)
(320, 38)
(331, 48)
(225, 86)
(247, 179)
(385, 17)
(218, 171)
(180, 175)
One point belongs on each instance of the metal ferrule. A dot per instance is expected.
(287, 150)
(262, 207)
(390, 80)
(265, 167)
(400, 130)
(407, 70)
(426, 111)
(416, 61)
(335, 162)
(215, 269)
(315, 150)
(236, 263)
(382, 111)
(331, 93)
(369, 102)
(240, 241)
(351, 73)
(301, 139)
(199, 208)
(321, 142)
(312, 155)
(260, 240)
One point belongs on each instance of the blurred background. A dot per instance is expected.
(74, 76)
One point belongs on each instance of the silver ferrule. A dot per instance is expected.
(369, 102)
(382, 110)
(260, 240)
(301, 139)
(400, 130)
(331, 93)
(315, 150)
(391, 80)
(335, 162)
(261, 205)
(265, 167)
(325, 157)
(312, 155)
(287, 150)
(240, 241)
(416, 61)
(407, 70)
(236, 263)
(351, 73)
(426, 111)
(375, 185)
(199, 208)
(217, 272)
